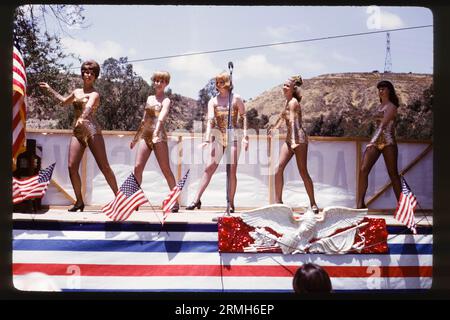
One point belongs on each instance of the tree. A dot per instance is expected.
(42, 52)
(123, 95)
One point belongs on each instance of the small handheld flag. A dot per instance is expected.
(33, 187)
(405, 207)
(172, 197)
(128, 198)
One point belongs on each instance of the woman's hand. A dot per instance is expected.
(132, 144)
(44, 85)
(80, 122)
(245, 143)
(204, 144)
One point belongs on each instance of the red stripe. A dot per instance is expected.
(19, 59)
(19, 72)
(217, 271)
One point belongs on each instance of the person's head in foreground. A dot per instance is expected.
(311, 278)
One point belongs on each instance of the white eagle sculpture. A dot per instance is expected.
(298, 230)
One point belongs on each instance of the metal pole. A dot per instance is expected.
(229, 135)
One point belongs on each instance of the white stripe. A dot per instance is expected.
(115, 235)
(168, 236)
(226, 283)
(381, 283)
(409, 238)
(20, 67)
(214, 258)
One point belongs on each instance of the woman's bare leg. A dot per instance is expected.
(301, 153)
(76, 151)
(162, 156)
(285, 155)
(370, 156)
(390, 155)
(235, 151)
(211, 167)
(97, 147)
(142, 155)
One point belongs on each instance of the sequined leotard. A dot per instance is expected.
(89, 127)
(147, 130)
(295, 134)
(382, 137)
(220, 120)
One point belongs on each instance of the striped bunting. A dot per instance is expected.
(141, 257)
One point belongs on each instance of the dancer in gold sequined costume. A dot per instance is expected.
(86, 132)
(151, 134)
(296, 141)
(216, 136)
(382, 142)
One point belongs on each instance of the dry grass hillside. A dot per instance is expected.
(343, 94)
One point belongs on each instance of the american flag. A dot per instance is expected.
(405, 208)
(129, 197)
(19, 113)
(33, 187)
(172, 197)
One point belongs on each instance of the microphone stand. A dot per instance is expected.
(229, 135)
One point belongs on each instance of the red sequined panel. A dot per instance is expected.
(375, 234)
(233, 234)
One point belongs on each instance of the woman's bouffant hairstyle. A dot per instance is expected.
(164, 75)
(311, 278)
(226, 78)
(91, 65)
(298, 81)
(392, 94)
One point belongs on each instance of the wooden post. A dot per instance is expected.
(269, 150)
(84, 175)
(358, 166)
(180, 157)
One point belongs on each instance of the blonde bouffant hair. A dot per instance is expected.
(226, 78)
(163, 75)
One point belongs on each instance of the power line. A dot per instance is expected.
(275, 44)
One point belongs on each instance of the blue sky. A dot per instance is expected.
(141, 32)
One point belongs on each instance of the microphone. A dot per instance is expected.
(230, 65)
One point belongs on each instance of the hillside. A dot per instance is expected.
(350, 95)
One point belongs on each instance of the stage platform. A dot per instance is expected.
(86, 251)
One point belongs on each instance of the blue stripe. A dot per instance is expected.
(410, 248)
(133, 226)
(113, 226)
(116, 246)
(405, 230)
(164, 246)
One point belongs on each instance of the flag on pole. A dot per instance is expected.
(129, 197)
(19, 113)
(33, 187)
(172, 197)
(405, 207)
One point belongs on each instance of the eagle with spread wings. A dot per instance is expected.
(332, 231)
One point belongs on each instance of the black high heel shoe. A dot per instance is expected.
(194, 204)
(175, 208)
(231, 209)
(315, 209)
(77, 207)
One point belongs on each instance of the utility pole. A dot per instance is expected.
(387, 60)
